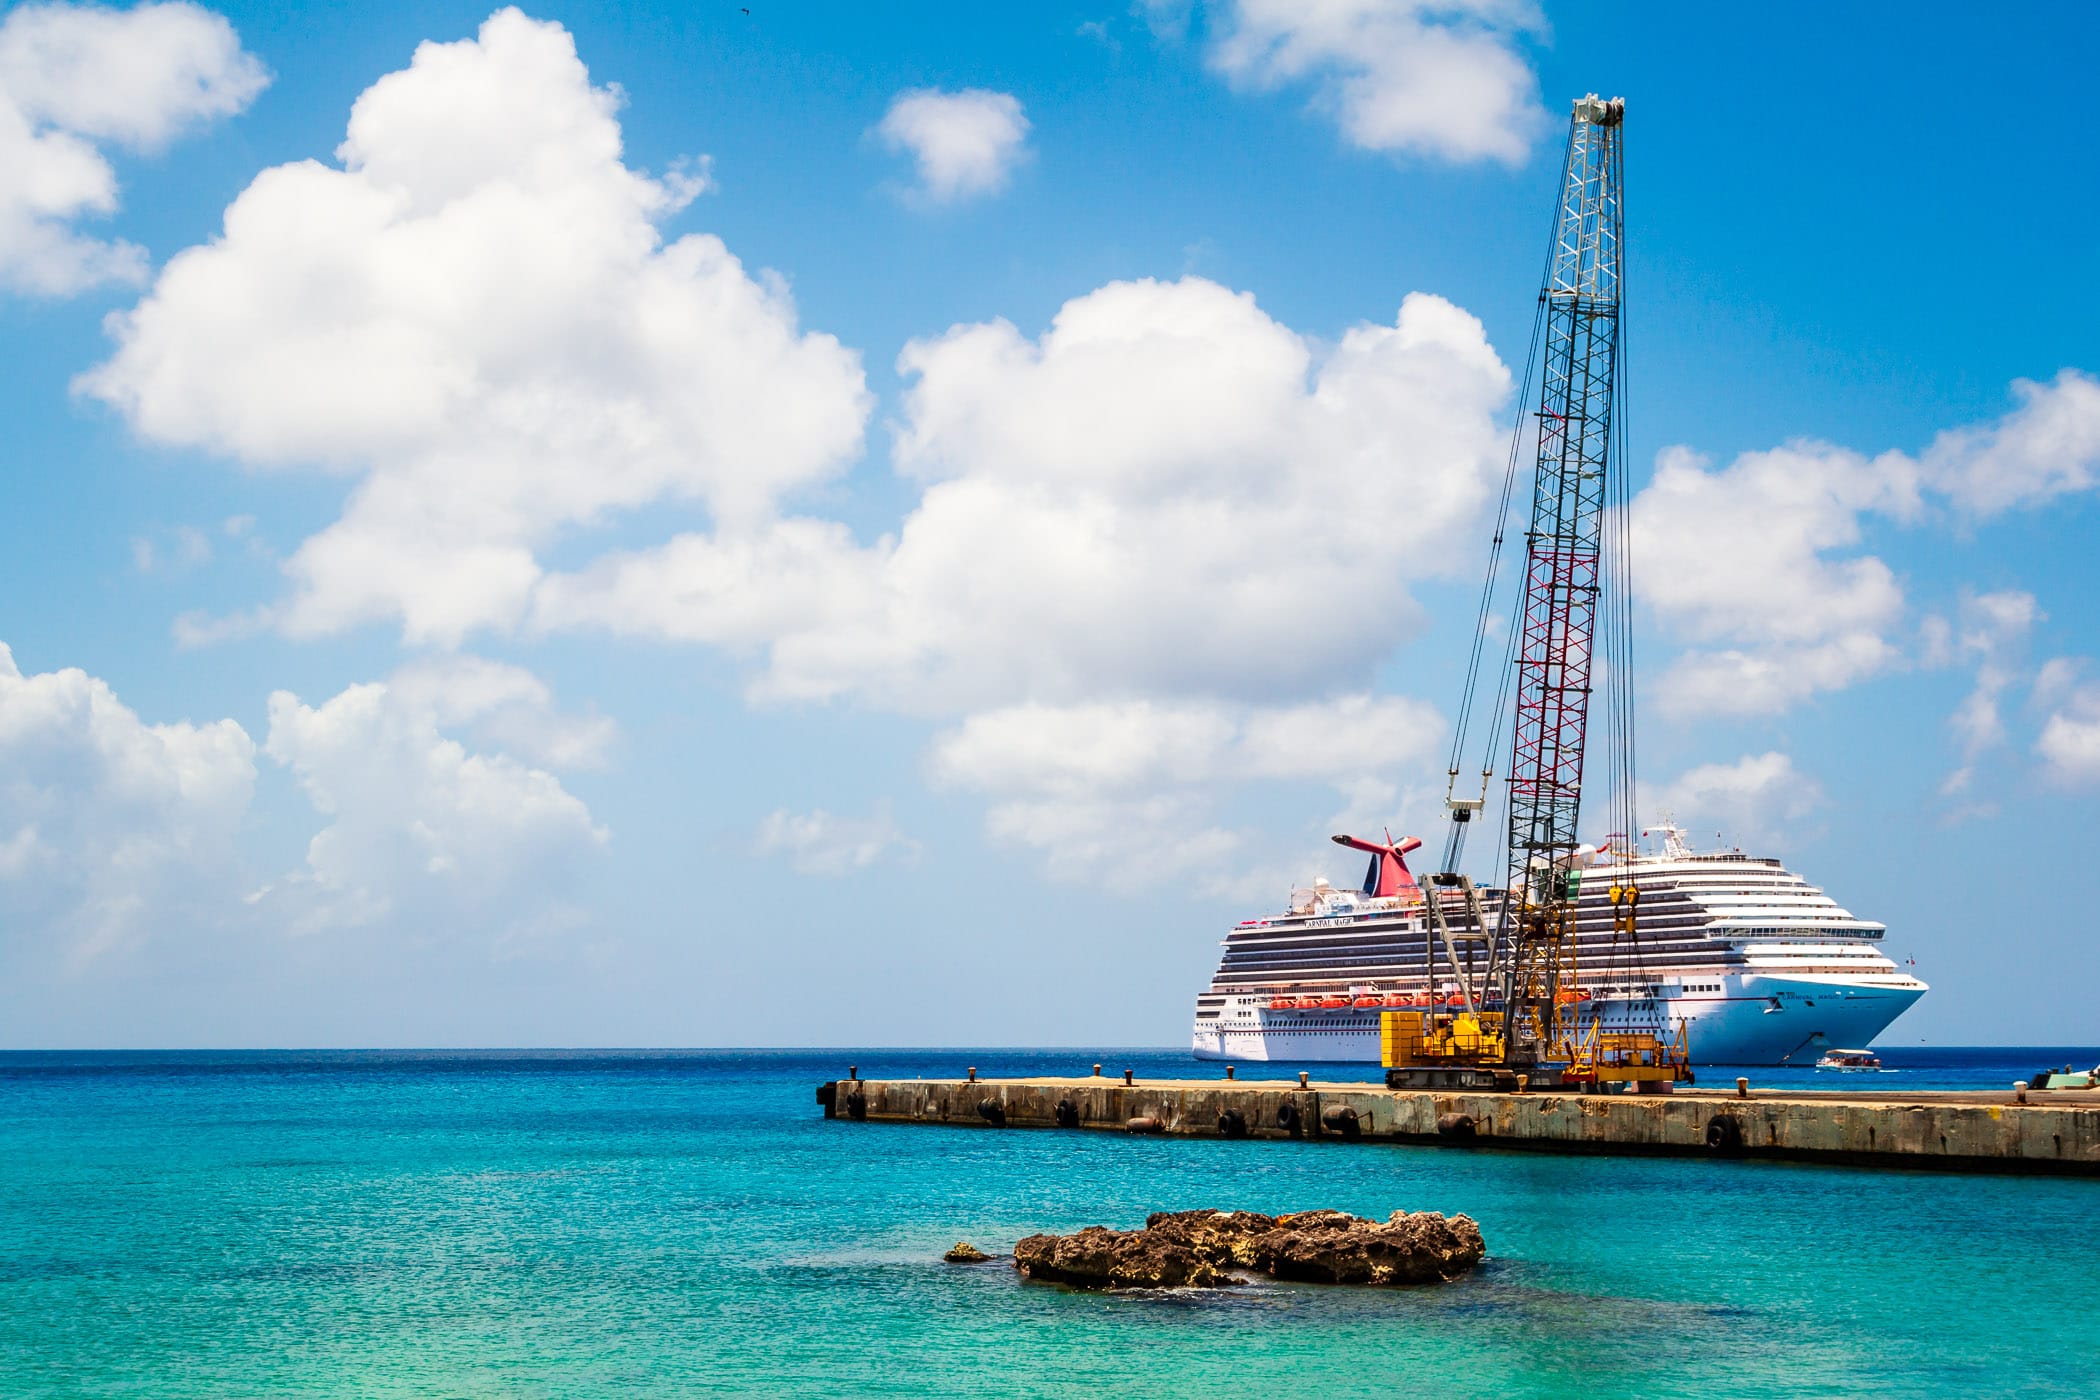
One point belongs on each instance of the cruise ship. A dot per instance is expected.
(1758, 965)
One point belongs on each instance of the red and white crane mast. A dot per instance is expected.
(1563, 567)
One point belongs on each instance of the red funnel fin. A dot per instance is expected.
(1391, 877)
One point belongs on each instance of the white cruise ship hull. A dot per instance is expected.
(1751, 1019)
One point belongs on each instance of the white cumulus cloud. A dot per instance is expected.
(506, 705)
(1751, 801)
(964, 143)
(820, 843)
(1440, 78)
(1126, 793)
(1748, 562)
(75, 77)
(473, 319)
(110, 826)
(1168, 493)
(1168, 496)
(2069, 745)
(1993, 628)
(113, 829)
(2047, 447)
(1756, 567)
(1164, 526)
(418, 827)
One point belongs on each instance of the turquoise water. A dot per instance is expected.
(584, 1224)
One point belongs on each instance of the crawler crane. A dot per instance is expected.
(1517, 1024)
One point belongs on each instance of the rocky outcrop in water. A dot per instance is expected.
(1103, 1258)
(1202, 1248)
(965, 1253)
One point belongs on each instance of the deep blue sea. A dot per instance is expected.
(639, 1223)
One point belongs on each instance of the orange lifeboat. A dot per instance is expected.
(1334, 1002)
(1395, 999)
(1455, 999)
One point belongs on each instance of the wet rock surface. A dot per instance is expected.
(1097, 1257)
(965, 1253)
(1213, 1248)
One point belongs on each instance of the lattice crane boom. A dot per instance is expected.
(1563, 564)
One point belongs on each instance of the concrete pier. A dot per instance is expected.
(2054, 1133)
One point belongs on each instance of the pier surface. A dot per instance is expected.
(2054, 1132)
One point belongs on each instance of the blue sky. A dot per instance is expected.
(827, 526)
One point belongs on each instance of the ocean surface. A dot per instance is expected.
(643, 1223)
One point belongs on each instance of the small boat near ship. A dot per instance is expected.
(1849, 1059)
(2066, 1078)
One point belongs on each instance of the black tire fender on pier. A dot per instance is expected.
(1342, 1121)
(1232, 1124)
(1455, 1125)
(857, 1106)
(1145, 1123)
(1066, 1114)
(1287, 1116)
(992, 1112)
(1724, 1134)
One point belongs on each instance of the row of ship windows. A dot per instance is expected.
(1688, 925)
(1648, 923)
(1658, 940)
(1604, 980)
(1675, 950)
(1603, 974)
(1412, 937)
(1648, 957)
(1412, 942)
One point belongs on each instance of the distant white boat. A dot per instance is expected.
(1759, 966)
(1849, 1059)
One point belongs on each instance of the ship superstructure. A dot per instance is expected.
(1760, 966)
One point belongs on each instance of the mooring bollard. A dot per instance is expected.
(1742, 1088)
(1228, 1071)
(1127, 1076)
(853, 1071)
(973, 1074)
(1097, 1071)
(2020, 1091)
(1303, 1078)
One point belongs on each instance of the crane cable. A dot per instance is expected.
(1487, 587)
(1623, 794)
